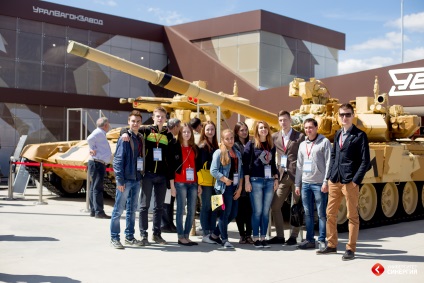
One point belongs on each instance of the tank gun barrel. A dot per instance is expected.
(172, 83)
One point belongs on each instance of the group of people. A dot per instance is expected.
(254, 177)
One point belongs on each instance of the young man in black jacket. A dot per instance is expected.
(350, 159)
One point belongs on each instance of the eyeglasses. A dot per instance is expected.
(347, 115)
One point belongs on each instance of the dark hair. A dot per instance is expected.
(195, 122)
(135, 113)
(283, 113)
(204, 139)
(237, 128)
(311, 120)
(173, 122)
(346, 106)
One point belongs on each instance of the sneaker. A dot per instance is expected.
(327, 250)
(348, 255)
(134, 242)
(306, 245)
(291, 241)
(158, 240)
(277, 240)
(116, 244)
(145, 241)
(205, 239)
(258, 244)
(321, 245)
(217, 240)
(265, 244)
(228, 245)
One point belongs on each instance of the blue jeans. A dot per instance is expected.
(97, 174)
(226, 216)
(128, 199)
(152, 183)
(261, 198)
(186, 193)
(309, 193)
(207, 216)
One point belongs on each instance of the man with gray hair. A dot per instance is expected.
(167, 225)
(101, 156)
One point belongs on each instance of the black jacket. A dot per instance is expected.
(352, 161)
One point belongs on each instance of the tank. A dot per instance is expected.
(392, 190)
(58, 178)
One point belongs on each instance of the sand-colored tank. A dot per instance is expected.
(66, 181)
(392, 190)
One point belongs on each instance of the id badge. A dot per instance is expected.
(157, 154)
(189, 174)
(267, 169)
(140, 163)
(235, 179)
(283, 161)
(307, 166)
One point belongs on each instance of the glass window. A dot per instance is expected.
(120, 52)
(7, 44)
(140, 58)
(28, 75)
(29, 26)
(140, 44)
(54, 30)
(76, 80)
(98, 82)
(121, 41)
(53, 78)
(54, 50)
(8, 22)
(96, 39)
(7, 73)
(29, 46)
(78, 35)
(24, 111)
(119, 84)
(139, 87)
(304, 64)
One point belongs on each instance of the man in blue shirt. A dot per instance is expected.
(101, 156)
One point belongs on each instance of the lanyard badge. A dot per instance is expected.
(189, 174)
(140, 163)
(235, 179)
(283, 161)
(267, 171)
(157, 154)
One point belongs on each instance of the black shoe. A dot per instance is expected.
(258, 244)
(158, 240)
(277, 240)
(327, 250)
(102, 216)
(265, 244)
(92, 214)
(348, 255)
(291, 241)
(217, 240)
(184, 244)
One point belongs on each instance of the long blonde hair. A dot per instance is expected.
(224, 158)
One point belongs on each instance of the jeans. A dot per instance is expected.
(186, 193)
(226, 216)
(97, 174)
(207, 216)
(261, 198)
(309, 193)
(157, 181)
(128, 199)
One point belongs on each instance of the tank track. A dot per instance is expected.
(35, 173)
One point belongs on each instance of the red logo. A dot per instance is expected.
(377, 269)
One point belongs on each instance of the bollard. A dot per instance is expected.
(10, 181)
(87, 191)
(40, 190)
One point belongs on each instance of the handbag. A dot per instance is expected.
(217, 202)
(204, 177)
(297, 213)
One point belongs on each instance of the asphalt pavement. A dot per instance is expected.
(58, 242)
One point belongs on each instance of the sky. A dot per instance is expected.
(372, 27)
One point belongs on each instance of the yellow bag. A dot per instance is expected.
(204, 177)
(217, 202)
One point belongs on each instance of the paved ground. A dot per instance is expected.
(60, 243)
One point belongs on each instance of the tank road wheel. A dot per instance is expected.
(389, 199)
(367, 202)
(72, 186)
(410, 197)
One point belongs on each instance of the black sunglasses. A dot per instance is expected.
(347, 115)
